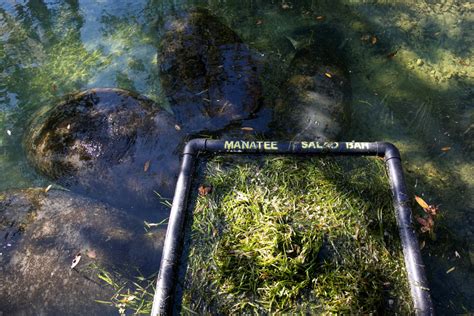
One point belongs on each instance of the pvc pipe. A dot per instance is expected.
(164, 295)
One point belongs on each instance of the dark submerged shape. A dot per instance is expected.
(40, 235)
(318, 91)
(108, 143)
(207, 73)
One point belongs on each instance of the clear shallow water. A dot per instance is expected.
(411, 72)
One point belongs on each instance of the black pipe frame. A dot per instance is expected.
(164, 295)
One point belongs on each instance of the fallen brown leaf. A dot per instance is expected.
(92, 254)
(392, 54)
(204, 190)
(427, 224)
(146, 166)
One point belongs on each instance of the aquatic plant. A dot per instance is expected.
(286, 235)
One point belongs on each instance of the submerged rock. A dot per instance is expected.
(40, 235)
(108, 143)
(317, 95)
(207, 73)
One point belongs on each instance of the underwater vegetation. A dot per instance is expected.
(293, 235)
(411, 72)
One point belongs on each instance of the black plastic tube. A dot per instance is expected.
(164, 295)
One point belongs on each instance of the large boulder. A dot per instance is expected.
(40, 235)
(317, 94)
(207, 73)
(110, 144)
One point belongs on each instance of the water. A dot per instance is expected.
(412, 84)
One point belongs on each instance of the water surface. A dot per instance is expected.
(411, 72)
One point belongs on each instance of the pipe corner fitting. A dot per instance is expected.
(194, 146)
(390, 151)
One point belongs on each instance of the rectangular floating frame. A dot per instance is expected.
(165, 289)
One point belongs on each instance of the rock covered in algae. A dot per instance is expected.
(207, 73)
(107, 143)
(318, 92)
(40, 235)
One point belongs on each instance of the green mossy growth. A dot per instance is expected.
(289, 235)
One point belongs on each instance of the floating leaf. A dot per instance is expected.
(247, 129)
(259, 22)
(92, 254)
(392, 54)
(320, 17)
(450, 270)
(421, 202)
(48, 188)
(427, 224)
(128, 299)
(76, 260)
(445, 149)
(327, 74)
(204, 190)
(146, 166)
(373, 40)
(177, 127)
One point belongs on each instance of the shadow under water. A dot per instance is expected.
(409, 65)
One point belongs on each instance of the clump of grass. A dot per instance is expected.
(287, 235)
(129, 296)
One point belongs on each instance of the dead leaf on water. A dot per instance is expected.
(373, 40)
(247, 129)
(177, 127)
(76, 260)
(445, 149)
(392, 54)
(427, 223)
(92, 254)
(327, 74)
(204, 189)
(146, 166)
(421, 202)
(320, 17)
(128, 299)
(48, 188)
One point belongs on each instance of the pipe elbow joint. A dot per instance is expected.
(194, 146)
(390, 151)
